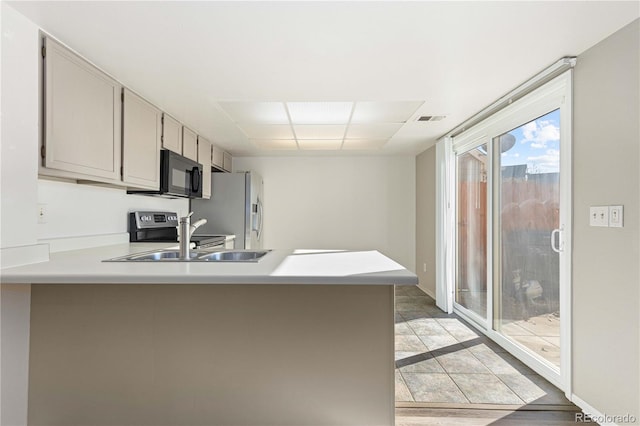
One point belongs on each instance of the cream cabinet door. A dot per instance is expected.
(227, 162)
(204, 158)
(171, 134)
(217, 158)
(189, 143)
(82, 116)
(141, 142)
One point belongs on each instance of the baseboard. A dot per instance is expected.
(23, 255)
(596, 415)
(506, 407)
(429, 293)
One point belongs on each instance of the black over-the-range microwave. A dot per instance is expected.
(179, 177)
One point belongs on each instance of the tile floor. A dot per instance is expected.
(540, 333)
(441, 359)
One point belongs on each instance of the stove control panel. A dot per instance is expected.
(145, 220)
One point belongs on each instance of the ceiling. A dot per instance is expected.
(214, 64)
(320, 126)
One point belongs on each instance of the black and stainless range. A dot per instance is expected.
(162, 227)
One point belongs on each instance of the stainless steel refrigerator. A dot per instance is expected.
(235, 207)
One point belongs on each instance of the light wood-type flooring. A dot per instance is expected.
(483, 417)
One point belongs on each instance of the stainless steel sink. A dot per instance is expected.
(162, 255)
(235, 256)
(194, 256)
(155, 256)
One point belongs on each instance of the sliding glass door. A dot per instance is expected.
(512, 216)
(527, 196)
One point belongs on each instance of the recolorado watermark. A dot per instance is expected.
(605, 418)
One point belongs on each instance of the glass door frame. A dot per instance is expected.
(483, 324)
(556, 94)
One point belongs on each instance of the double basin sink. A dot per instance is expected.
(170, 255)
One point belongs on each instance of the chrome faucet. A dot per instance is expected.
(185, 231)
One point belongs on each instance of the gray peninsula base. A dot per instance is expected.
(179, 354)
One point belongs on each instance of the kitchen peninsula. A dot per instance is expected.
(302, 337)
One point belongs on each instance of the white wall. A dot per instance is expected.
(606, 148)
(339, 202)
(20, 129)
(82, 210)
(426, 220)
(73, 210)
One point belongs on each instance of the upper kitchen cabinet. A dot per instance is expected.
(189, 143)
(217, 158)
(220, 160)
(171, 134)
(226, 164)
(141, 142)
(204, 158)
(82, 113)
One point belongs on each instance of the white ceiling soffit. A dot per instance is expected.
(191, 57)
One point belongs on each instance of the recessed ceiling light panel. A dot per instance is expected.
(326, 131)
(256, 112)
(320, 144)
(320, 112)
(322, 125)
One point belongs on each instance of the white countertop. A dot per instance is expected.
(227, 237)
(278, 267)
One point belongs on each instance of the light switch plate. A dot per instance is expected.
(616, 216)
(599, 216)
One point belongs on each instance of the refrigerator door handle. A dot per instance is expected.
(260, 219)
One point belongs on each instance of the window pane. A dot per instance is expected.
(471, 275)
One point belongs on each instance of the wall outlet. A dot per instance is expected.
(424, 267)
(616, 218)
(599, 216)
(42, 213)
